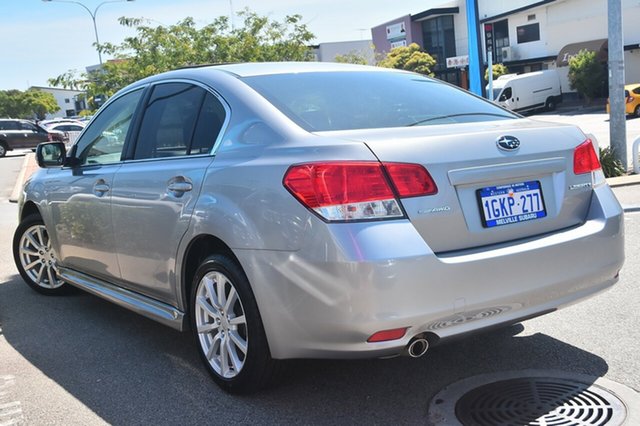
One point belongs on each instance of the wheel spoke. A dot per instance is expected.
(209, 310)
(27, 251)
(215, 343)
(238, 341)
(40, 236)
(50, 274)
(33, 241)
(220, 285)
(231, 299)
(207, 328)
(40, 275)
(32, 265)
(224, 356)
(239, 320)
(233, 357)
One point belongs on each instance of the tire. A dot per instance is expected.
(3, 149)
(35, 259)
(636, 112)
(550, 104)
(232, 344)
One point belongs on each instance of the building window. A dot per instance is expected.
(528, 33)
(496, 36)
(439, 40)
(66, 100)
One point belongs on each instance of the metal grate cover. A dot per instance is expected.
(539, 401)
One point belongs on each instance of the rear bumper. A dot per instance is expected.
(352, 280)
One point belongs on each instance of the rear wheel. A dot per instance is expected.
(636, 111)
(3, 149)
(226, 325)
(35, 259)
(550, 104)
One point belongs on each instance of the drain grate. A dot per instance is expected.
(539, 401)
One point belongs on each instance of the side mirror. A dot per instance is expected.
(51, 154)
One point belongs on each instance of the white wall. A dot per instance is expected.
(490, 8)
(327, 52)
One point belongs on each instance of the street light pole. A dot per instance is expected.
(93, 17)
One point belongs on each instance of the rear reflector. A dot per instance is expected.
(385, 335)
(357, 190)
(585, 159)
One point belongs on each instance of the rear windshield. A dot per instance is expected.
(324, 101)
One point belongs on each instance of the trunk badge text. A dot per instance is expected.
(435, 210)
(508, 143)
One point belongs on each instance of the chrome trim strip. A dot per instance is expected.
(143, 305)
(506, 171)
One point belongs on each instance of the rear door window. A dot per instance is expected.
(180, 119)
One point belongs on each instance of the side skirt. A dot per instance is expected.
(143, 305)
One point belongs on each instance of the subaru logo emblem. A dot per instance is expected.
(508, 143)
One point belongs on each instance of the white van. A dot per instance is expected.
(526, 92)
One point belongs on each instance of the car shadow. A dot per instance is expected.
(130, 370)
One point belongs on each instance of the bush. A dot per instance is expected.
(587, 75)
(611, 166)
(498, 70)
(410, 58)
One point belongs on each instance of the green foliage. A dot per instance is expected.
(29, 104)
(498, 70)
(410, 58)
(611, 166)
(155, 49)
(587, 74)
(352, 57)
(85, 113)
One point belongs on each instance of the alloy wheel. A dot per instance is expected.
(221, 324)
(37, 257)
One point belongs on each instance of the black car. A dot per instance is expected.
(23, 134)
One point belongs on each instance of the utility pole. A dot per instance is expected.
(475, 58)
(617, 118)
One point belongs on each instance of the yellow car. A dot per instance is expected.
(632, 103)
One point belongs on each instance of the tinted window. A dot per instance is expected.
(28, 126)
(527, 33)
(371, 99)
(104, 139)
(506, 94)
(169, 121)
(9, 125)
(636, 90)
(208, 127)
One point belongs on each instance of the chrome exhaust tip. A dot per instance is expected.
(417, 347)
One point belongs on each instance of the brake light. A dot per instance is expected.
(585, 159)
(357, 190)
(49, 137)
(386, 335)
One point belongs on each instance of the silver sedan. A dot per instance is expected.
(298, 210)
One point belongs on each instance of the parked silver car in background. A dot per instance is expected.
(296, 210)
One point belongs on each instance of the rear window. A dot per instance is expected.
(324, 101)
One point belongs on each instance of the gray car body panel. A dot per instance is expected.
(324, 288)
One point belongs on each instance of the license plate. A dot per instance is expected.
(513, 203)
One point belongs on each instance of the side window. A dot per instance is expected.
(506, 94)
(169, 121)
(28, 126)
(636, 90)
(9, 125)
(210, 121)
(104, 139)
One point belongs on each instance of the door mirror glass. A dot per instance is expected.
(51, 154)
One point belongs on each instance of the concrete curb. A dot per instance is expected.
(15, 194)
(624, 180)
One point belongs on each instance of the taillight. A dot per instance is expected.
(585, 159)
(386, 335)
(49, 137)
(357, 190)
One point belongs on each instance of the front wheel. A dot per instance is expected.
(636, 112)
(35, 259)
(550, 104)
(3, 149)
(226, 324)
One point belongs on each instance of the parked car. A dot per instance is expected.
(57, 121)
(632, 100)
(316, 210)
(529, 91)
(23, 134)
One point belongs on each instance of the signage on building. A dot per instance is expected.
(399, 43)
(396, 32)
(458, 61)
(488, 37)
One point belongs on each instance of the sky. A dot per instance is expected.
(41, 40)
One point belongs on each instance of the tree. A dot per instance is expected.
(29, 104)
(410, 58)
(352, 57)
(587, 74)
(155, 49)
(498, 70)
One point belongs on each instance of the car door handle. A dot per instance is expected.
(178, 186)
(100, 188)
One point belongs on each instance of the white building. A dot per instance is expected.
(327, 52)
(71, 102)
(525, 35)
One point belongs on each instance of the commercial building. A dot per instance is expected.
(71, 102)
(327, 52)
(524, 35)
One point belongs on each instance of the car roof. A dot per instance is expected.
(266, 68)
